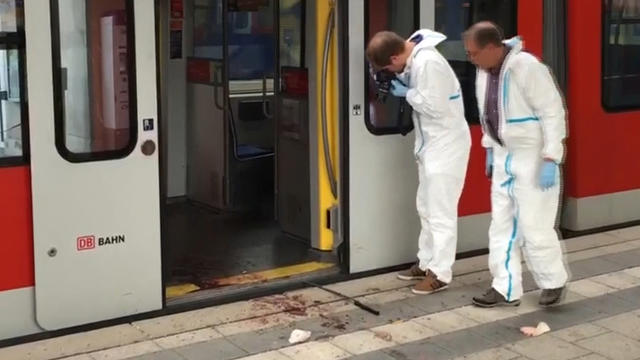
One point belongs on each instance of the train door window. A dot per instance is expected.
(292, 33)
(94, 78)
(620, 52)
(387, 114)
(13, 112)
(453, 17)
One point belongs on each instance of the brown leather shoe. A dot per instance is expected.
(413, 273)
(429, 285)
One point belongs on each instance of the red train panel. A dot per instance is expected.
(16, 246)
(603, 149)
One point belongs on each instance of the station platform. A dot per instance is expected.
(599, 319)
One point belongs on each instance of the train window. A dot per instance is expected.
(392, 115)
(292, 32)
(453, 17)
(94, 78)
(620, 54)
(13, 135)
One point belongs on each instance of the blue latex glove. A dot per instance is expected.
(548, 174)
(488, 167)
(398, 89)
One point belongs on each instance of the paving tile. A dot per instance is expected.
(405, 331)
(387, 296)
(315, 350)
(265, 305)
(419, 351)
(634, 271)
(78, 357)
(559, 317)
(547, 347)
(258, 323)
(179, 323)
(188, 338)
(582, 255)
(588, 288)
(397, 311)
(263, 340)
(162, 355)
(571, 297)
(472, 264)
(445, 300)
(490, 354)
(312, 296)
(219, 349)
(528, 304)
(445, 322)
(475, 278)
(626, 324)
(333, 307)
(628, 258)
(528, 283)
(500, 332)
(612, 305)
(361, 342)
(78, 343)
(613, 346)
(630, 233)
(631, 295)
(271, 355)
(579, 332)
(592, 267)
(369, 285)
(463, 342)
(592, 357)
(591, 241)
(127, 351)
(618, 280)
(482, 315)
(621, 247)
(340, 323)
(375, 355)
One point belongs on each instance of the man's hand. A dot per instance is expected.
(398, 89)
(548, 174)
(488, 167)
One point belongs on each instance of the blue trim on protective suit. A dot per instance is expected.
(514, 232)
(453, 97)
(524, 119)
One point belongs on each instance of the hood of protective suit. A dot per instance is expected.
(430, 38)
(515, 43)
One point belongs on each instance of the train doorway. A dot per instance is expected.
(238, 158)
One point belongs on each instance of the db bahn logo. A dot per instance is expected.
(90, 242)
(86, 242)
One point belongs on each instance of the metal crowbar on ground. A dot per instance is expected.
(355, 302)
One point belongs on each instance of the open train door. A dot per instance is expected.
(93, 122)
(382, 175)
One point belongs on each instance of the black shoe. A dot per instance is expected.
(551, 297)
(493, 298)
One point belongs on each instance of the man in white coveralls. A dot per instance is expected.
(523, 123)
(442, 145)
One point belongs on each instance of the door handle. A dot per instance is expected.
(217, 83)
(265, 110)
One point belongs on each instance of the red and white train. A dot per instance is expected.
(161, 155)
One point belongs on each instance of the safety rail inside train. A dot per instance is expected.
(163, 155)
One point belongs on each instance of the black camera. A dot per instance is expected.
(403, 122)
(382, 79)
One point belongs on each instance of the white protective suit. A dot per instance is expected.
(442, 146)
(531, 128)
